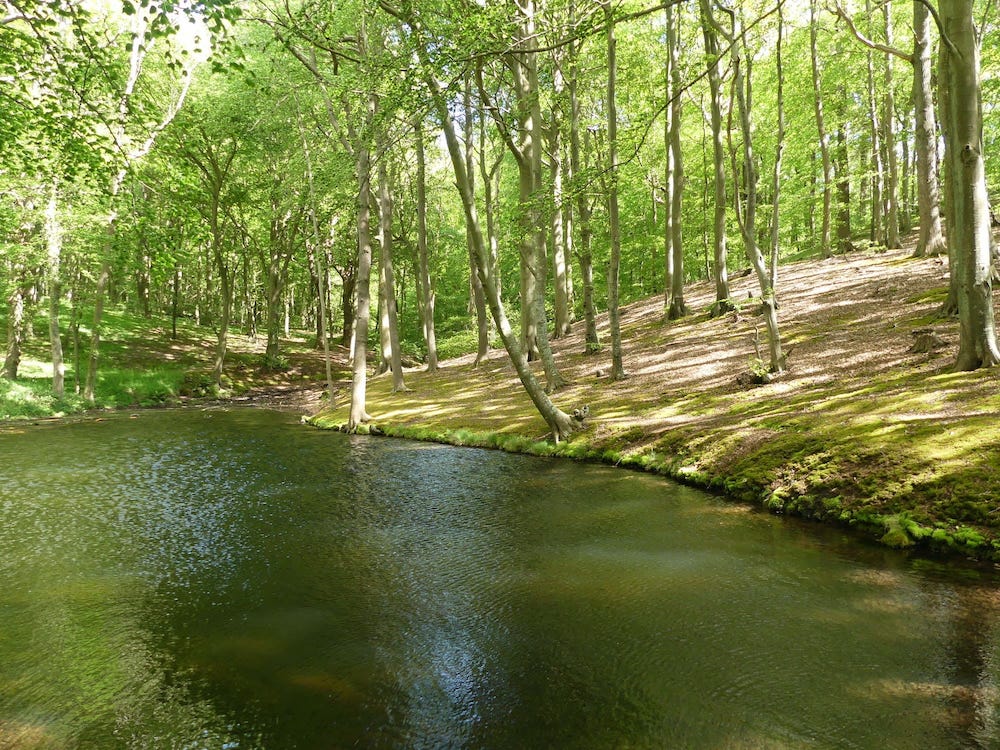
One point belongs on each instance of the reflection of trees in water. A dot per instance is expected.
(441, 529)
(974, 659)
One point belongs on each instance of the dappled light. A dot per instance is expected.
(749, 247)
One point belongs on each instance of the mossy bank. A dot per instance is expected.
(864, 430)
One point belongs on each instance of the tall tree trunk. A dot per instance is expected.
(562, 275)
(532, 151)
(359, 356)
(560, 424)
(614, 322)
(889, 127)
(906, 202)
(280, 251)
(592, 343)
(704, 195)
(272, 349)
(877, 234)
(387, 280)
(74, 329)
(748, 224)
(567, 231)
(844, 244)
(931, 238)
(222, 333)
(316, 287)
(288, 304)
(719, 269)
(53, 232)
(560, 266)
(95, 336)
(524, 153)
(317, 270)
(15, 328)
(824, 138)
(324, 276)
(673, 200)
(778, 153)
(969, 232)
(226, 276)
(424, 286)
(475, 284)
(175, 299)
(348, 307)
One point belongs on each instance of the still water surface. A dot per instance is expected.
(232, 579)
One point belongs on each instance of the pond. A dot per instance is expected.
(232, 579)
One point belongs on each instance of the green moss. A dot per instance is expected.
(896, 534)
(937, 296)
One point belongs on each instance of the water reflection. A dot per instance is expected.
(231, 579)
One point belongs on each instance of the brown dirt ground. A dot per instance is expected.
(845, 321)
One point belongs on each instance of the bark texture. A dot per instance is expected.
(966, 185)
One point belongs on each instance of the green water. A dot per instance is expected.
(232, 579)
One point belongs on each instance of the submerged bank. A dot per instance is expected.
(865, 430)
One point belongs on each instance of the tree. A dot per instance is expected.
(477, 294)
(965, 182)
(213, 160)
(525, 145)
(359, 353)
(425, 289)
(714, 55)
(673, 217)
(388, 321)
(561, 230)
(746, 206)
(931, 239)
(54, 238)
(614, 323)
(824, 139)
(584, 201)
(889, 139)
(560, 424)
(779, 150)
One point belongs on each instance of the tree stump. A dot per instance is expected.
(926, 341)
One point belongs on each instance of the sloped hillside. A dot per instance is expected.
(862, 430)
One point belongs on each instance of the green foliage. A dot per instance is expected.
(198, 384)
(30, 396)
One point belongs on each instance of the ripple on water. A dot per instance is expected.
(232, 579)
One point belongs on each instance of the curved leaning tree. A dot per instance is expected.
(561, 425)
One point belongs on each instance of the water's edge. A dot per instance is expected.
(952, 546)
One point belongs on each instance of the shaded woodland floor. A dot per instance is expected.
(861, 430)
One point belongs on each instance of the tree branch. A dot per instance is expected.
(940, 26)
(836, 9)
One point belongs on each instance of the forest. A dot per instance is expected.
(403, 183)
(746, 250)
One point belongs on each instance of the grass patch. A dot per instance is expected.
(140, 365)
(28, 398)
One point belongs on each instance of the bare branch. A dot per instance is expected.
(836, 9)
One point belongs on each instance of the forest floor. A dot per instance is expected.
(861, 430)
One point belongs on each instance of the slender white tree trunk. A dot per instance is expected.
(387, 278)
(614, 321)
(53, 232)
